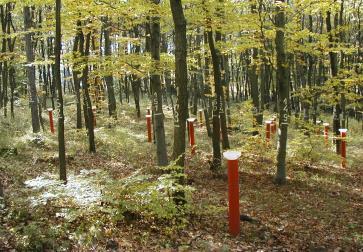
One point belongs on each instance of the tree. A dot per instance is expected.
(333, 57)
(181, 80)
(109, 78)
(28, 25)
(58, 83)
(282, 78)
(217, 157)
(157, 98)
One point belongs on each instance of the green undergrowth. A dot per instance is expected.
(138, 198)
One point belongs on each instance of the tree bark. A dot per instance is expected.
(57, 52)
(109, 78)
(216, 163)
(282, 77)
(28, 24)
(181, 81)
(334, 72)
(157, 97)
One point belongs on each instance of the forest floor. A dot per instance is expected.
(118, 200)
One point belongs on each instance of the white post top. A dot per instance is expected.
(318, 122)
(231, 155)
(343, 130)
(326, 124)
(50, 110)
(268, 122)
(148, 116)
(191, 119)
(200, 110)
(94, 107)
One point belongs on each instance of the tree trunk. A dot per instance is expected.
(181, 81)
(89, 117)
(216, 163)
(57, 52)
(76, 79)
(28, 24)
(282, 77)
(109, 79)
(157, 97)
(334, 72)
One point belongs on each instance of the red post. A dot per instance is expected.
(191, 134)
(272, 127)
(343, 135)
(51, 122)
(268, 131)
(94, 115)
(233, 191)
(326, 131)
(201, 117)
(274, 123)
(148, 124)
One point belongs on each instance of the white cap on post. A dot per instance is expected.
(343, 130)
(326, 124)
(191, 119)
(231, 155)
(50, 110)
(148, 116)
(268, 122)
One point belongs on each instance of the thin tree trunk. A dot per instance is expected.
(282, 77)
(31, 70)
(57, 52)
(181, 81)
(157, 97)
(109, 78)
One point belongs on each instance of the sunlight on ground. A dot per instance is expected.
(81, 188)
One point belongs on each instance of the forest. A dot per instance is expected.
(194, 125)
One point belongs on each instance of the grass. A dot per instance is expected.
(318, 207)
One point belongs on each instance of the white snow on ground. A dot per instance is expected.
(81, 188)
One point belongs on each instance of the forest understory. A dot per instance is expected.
(118, 200)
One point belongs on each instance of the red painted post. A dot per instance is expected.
(343, 135)
(191, 134)
(94, 115)
(268, 131)
(51, 122)
(148, 124)
(272, 127)
(233, 191)
(274, 123)
(201, 117)
(326, 131)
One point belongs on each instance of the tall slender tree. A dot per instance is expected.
(58, 83)
(282, 84)
(109, 77)
(181, 80)
(30, 57)
(157, 98)
(333, 57)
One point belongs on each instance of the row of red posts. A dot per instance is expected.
(271, 127)
(343, 147)
(51, 120)
(231, 157)
(190, 126)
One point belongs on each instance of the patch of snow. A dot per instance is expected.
(81, 188)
